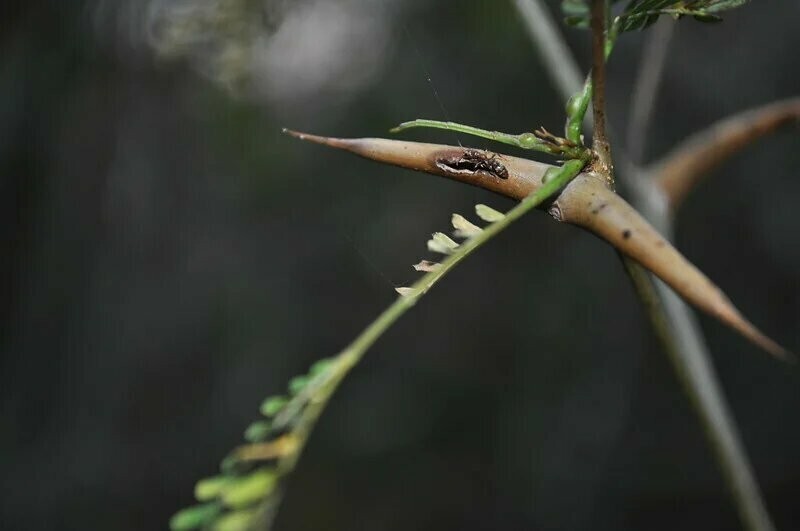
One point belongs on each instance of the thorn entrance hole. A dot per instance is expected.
(474, 161)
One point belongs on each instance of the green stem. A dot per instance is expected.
(577, 106)
(317, 394)
(523, 140)
(578, 103)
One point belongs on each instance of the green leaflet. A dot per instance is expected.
(247, 483)
(639, 14)
(195, 517)
(273, 405)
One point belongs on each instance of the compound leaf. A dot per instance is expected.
(639, 14)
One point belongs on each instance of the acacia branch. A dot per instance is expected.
(312, 401)
(677, 328)
(681, 337)
(600, 137)
(680, 170)
(295, 418)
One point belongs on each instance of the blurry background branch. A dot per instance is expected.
(648, 81)
(678, 172)
(552, 49)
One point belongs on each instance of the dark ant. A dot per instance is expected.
(473, 161)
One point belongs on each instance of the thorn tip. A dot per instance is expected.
(324, 140)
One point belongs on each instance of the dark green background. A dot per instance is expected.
(169, 259)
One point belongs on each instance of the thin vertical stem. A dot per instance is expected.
(600, 137)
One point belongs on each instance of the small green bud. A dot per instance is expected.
(298, 383)
(250, 489)
(209, 488)
(320, 367)
(194, 517)
(228, 464)
(272, 405)
(528, 141)
(236, 521)
(257, 431)
(573, 105)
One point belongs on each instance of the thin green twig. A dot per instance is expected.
(578, 103)
(536, 141)
(319, 393)
(293, 419)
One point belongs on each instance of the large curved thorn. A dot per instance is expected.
(520, 178)
(586, 202)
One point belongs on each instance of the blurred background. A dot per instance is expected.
(169, 259)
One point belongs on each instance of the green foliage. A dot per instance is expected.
(239, 521)
(241, 495)
(272, 405)
(297, 384)
(539, 140)
(246, 491)
(195, 517)
(209, 488)
(639, 14)
(257, 431)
